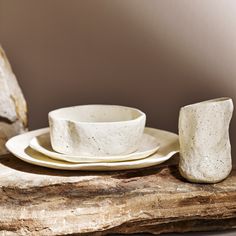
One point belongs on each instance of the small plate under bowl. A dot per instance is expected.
(19, 146)
(42, 144)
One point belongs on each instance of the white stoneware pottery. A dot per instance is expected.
(101, 130)
(205, 150)
(19, 146)
(41, 143)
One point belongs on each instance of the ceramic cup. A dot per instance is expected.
(205, 150)
(100, 130)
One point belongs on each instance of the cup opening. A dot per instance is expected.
(216, 100)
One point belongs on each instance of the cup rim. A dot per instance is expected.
(141, 115)
(209, 102)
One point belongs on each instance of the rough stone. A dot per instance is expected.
(13, 110)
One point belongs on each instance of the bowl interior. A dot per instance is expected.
(97, 113)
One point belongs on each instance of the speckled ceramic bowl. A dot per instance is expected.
(99, 130)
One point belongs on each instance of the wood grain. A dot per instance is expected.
(40, 201)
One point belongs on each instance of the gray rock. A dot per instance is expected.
(13, 109)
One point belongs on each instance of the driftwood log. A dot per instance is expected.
(40, 201)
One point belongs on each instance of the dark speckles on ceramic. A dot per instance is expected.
(205, 151)
(100, 130)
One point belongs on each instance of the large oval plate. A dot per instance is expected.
(19, 146)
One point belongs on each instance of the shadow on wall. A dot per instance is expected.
(115, 52)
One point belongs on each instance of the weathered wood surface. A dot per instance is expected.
(39, 201)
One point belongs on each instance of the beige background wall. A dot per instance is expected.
(157, 55)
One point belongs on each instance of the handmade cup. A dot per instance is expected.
(205, 151)
(99, 130)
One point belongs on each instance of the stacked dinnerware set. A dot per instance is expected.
(95, 137)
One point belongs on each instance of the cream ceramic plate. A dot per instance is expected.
(42, 143)
(19, 146)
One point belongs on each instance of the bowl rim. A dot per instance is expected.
(141, 115)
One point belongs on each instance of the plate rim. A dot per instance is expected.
(108, 166)
(93, 159)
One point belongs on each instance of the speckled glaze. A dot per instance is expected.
(19, 146)
(100, 130)
(149, 145)
(205, 150)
